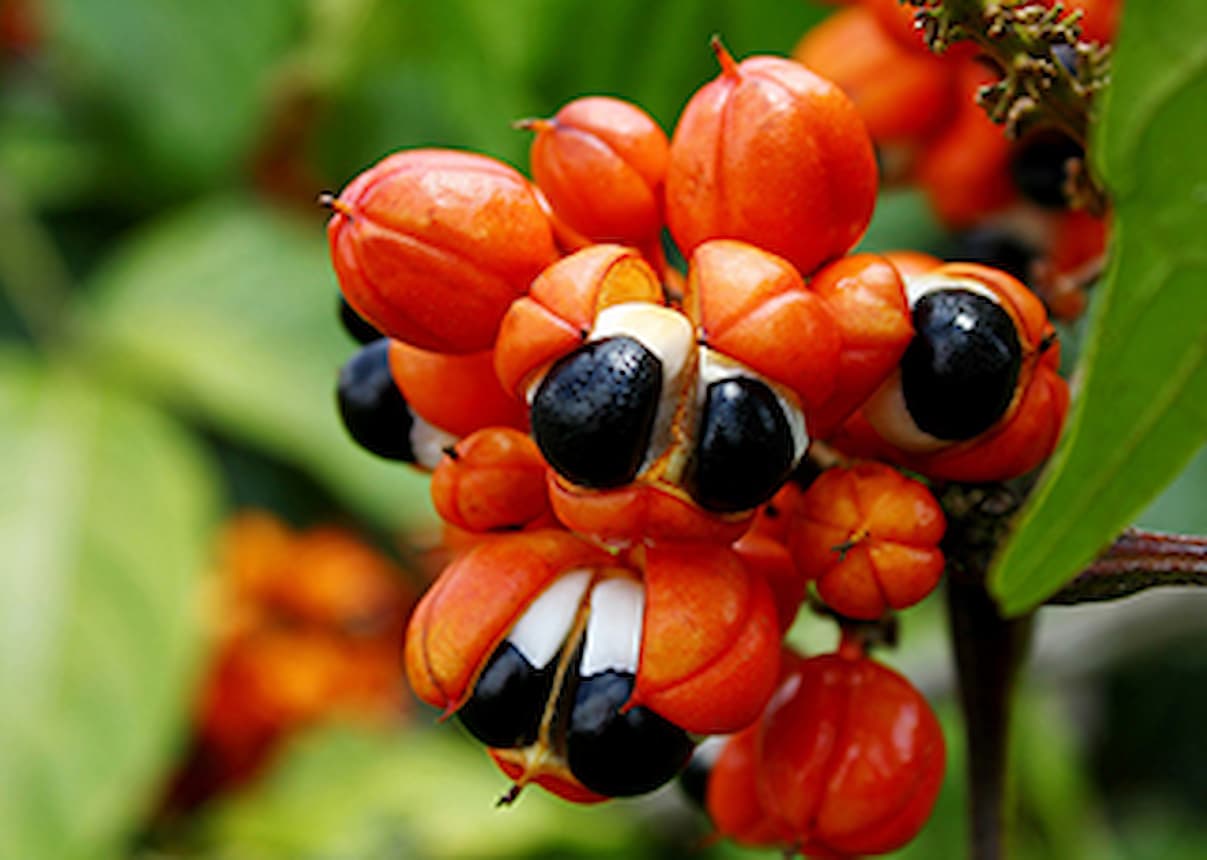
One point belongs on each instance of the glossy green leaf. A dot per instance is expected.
(451, 74)
(665, 54)
(1141, 409)
(903, 219)
(106, 512)
(180, 91)
(228, 310)
(419, 793)
(457, 73)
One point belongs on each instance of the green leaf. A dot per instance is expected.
(903, 219)
(445, 74)
(42, 157)
(180, 90)
(344, 792)
(1141, 411)
(105, 515)
(657, 54)
(458, 73)
(228, 310)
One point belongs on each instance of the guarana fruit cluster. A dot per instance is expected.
(620, 449)
(1005, 200)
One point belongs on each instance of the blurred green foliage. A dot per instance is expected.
(170, 348)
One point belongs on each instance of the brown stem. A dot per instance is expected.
(1138, 560)
(880, 632)
(989, 650)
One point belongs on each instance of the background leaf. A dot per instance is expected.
(457, 73)
(344, 792)
(228, 310)
(105, 512)
(177, 90)
(902, 220)
(1141, 411)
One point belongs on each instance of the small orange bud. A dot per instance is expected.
(493, 480)
(869, 537)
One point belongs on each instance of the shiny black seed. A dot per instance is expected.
(508, 700)
(806, 472)
(745, 449)
(357, 327)
(1037, 166)
(594, 412)
(694, 779)
(374, 413)
(993, 246)
(959, 372)
(617, 754)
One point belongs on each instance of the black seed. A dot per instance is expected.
(357, 327)
(594, 412)
(1037, 166)
(374, 413)
(694, 778)
(806, 472)
(745, 449)
(508, 700)
(959, 372)
(617, 754)
(993, 246)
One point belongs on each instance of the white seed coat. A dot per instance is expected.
(428, 442)
(920, 285)
(542, 629)
(886, 411)
(614, 627)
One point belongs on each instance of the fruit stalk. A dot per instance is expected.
(989, 652)
(1138, 560)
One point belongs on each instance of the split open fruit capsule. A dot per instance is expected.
(587, 674)
(404, 403)
(676, 423)
(977, 396)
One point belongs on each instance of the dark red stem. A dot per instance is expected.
(989, 651)
(1135, 561)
